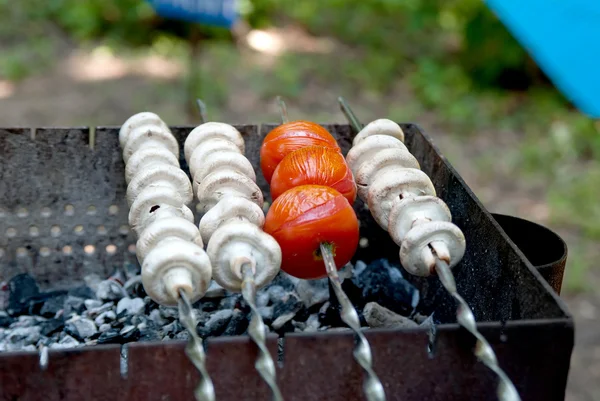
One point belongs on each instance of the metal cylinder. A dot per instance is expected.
(544, 249)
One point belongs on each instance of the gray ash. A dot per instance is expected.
(117, 310)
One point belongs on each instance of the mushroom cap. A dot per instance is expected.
(393, 184)
(209, 147)
(146, 157)
(137, 120)
(212, 130)
(220, 161)
(161, 175)
(369, 147)
(237, 241)
(231, 208)
(167, 227)
(382, 126)
(151, 203)
(174, 265)
(405, 212)
(446, 239)
(380, 162)
(149, 135)
(219, 184)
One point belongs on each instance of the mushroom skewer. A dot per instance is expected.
(336, 237)
(402, 200)
(244, 258)
(175, 268)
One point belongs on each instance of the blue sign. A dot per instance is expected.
(221, 13)
(563, 36)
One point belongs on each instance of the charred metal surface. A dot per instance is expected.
(545, 249)
(528, 325)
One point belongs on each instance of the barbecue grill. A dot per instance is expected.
(64, 215)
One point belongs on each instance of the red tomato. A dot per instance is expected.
(305, 216)
(288, 137)
(314, 165)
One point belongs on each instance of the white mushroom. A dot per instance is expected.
(394, 184)
(227, 210)
(382, 161)
(417, 249)
(215, 145)
(212, 130)
(368, 148)
(176, 265)
(149, 136)
(382, 126)
(161, 176)
(152, 200)
(165, 228)
(237, 243)
(226, 183)
(411, 211)
(221, 161)
(138, 120)
(146, 157)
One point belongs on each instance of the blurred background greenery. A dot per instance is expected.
(448, 65)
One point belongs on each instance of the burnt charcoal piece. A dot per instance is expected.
(6, 320)
(53, 305)
(111, 336)
(287, 303)
(51, 326)
(216, 324)
(238, 323)
(74, 304)
(382, 282)
(230, 302)
(130, 334)
(21, 288)
(83, 291)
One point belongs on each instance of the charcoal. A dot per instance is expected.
(6, 320)
(80, 328)
(182, 335)
(131, 306)
(230, 302)
(215, 291)
(130, 333)
(110, 290)
(157, 317)
(383, 283)
(111, 336)
(92, 313)
(377, 316)
(51, 326)
(83, 292)
(91, 304)
(172, 328)
(286, 304)
(266, 312)
(168, 313)
(312, 323)
(237, 324)
(313, 292)
(282, 320)
(285, 280)
(105, 317)
(104, 327)
(53, 305)
(24, 335)
(262, 297)
(74, 304)
(217, 323)
(21, 288)
(27, 321)
(209, 305)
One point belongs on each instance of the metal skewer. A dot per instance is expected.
(257, 330)
(372, 386)
(506, 390)
(205, 391)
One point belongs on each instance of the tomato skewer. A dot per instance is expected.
(305, 216)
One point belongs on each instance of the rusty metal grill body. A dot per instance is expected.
(56, 191)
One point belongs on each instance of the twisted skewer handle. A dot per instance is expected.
(257, 331)
(483, 351)
(205, 391)
(372, 386)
